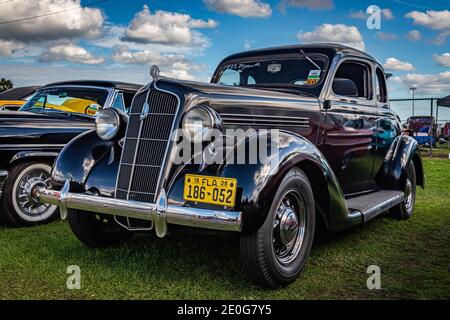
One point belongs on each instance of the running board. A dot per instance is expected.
(372, 204)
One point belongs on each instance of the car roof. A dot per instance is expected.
(18, 93)
(326, 48)
(98, 83)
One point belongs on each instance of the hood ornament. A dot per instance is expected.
(154, 72)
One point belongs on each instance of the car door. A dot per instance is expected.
(350, 128)
(388, 124)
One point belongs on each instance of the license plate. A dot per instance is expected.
(213, 190)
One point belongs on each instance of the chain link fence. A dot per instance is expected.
(429, 121)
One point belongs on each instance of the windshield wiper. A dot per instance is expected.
(310, 60)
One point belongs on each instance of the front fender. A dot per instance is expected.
(258, 182)
(403, 150)
(79, 158)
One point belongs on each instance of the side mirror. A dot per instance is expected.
(327, 104)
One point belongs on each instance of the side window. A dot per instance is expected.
(352, 79)
(380, 86)
(230, 78)
(118, 102)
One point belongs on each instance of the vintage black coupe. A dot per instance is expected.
(30, 140)
(341, 157)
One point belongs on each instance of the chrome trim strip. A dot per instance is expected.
(261, 116)
(32, 145)
(266, 124)
(33, 154)
(160, 211)
(275, 121)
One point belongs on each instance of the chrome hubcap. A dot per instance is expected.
(408, 194)
(289, 227)
(26, 201)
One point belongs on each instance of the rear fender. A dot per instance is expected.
(403, 150)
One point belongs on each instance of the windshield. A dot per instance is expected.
(87, 101)
(293, 72)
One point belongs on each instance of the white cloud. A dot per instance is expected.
(441, 38)
(437, 20)
(361, 15)
(164, 27)
(248, 44)
(7, 48)
(75, 22)
(438, 84)
(395, 64)
(242, 8)
(337, 33)
(443, 59)
(386, 36)
(414, 35)
(310, 4)
(387, 14)
(70, 52)
(171, 65)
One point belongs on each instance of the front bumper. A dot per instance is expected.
(160, 213)
(3, 176)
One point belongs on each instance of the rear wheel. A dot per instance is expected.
(17, 206)
(405, 209)
(97, 230)
(275, 254)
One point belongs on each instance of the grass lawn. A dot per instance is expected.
(414, 257)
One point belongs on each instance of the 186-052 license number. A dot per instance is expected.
(214, 190)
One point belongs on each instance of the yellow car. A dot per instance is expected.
(77, 105)
(14, 98)
(11, 105)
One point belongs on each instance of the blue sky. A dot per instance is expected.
(121, 39)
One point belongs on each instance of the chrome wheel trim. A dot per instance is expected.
(409, 193)
(25, 205)
(289, 227)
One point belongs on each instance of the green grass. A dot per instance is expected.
(414, 257)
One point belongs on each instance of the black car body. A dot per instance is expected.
(33, 138)
(341, 157)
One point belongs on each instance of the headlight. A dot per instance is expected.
(107, 123)
(198, 124)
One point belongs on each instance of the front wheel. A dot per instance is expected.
(275, 254)
(97, 230)
(17, 206)
(405, 209)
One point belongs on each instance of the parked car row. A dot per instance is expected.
(336, 154)
(426, 131)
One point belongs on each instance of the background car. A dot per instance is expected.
(30, 139)
(15, 98)
(423, 129)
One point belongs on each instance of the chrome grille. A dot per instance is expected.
(145, 147)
